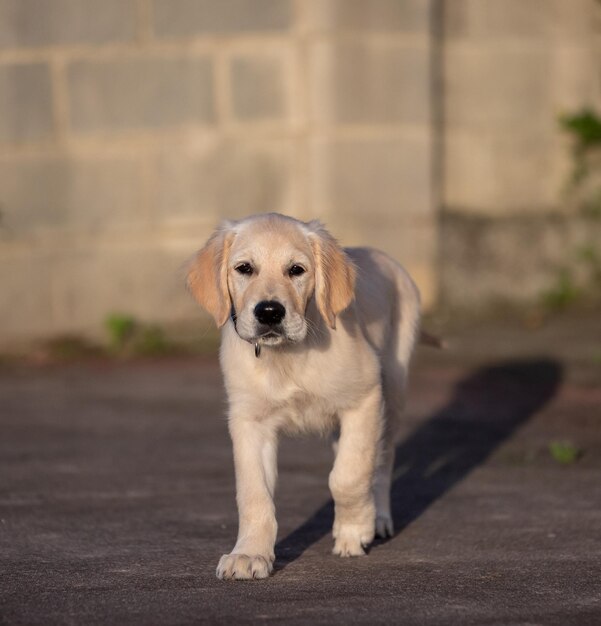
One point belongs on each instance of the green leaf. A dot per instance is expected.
(585, 126)
(121, 328)
(564, 452)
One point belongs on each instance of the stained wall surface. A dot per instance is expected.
(130, 128)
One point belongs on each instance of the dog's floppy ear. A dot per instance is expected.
(334, 274)
(207, 275)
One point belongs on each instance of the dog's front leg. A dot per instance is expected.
(352, 476)
(255, 452)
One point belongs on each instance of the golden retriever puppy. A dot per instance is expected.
(314, 338)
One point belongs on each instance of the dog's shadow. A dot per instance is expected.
(486, 408)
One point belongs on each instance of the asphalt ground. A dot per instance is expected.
(117, 495)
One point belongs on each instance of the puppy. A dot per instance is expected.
(314, 338)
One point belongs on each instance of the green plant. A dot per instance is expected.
(585, 130)
(585, 126)
(130, 337)
(581, 272)
(562, 293)
(565, 452)
(121, 328)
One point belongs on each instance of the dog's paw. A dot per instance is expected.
(384, 526)
(352, 539)
(244, 567)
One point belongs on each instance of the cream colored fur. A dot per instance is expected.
(341, 366)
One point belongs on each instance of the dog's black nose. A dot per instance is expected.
(270, 312)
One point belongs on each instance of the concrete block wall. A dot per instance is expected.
(370, 149)
(129, 128)
(510, 69)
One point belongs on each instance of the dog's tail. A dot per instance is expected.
(409, 333)
(427, 339)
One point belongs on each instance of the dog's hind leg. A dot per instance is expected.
(383, 476)
(395, 372)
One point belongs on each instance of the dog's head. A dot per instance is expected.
(264, 270)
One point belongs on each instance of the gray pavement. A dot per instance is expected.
(117, 496)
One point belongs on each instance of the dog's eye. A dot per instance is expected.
(296, 270)
(244, 268)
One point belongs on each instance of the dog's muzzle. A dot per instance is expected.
(269, 313)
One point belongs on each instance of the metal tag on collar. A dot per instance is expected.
(257, 349)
